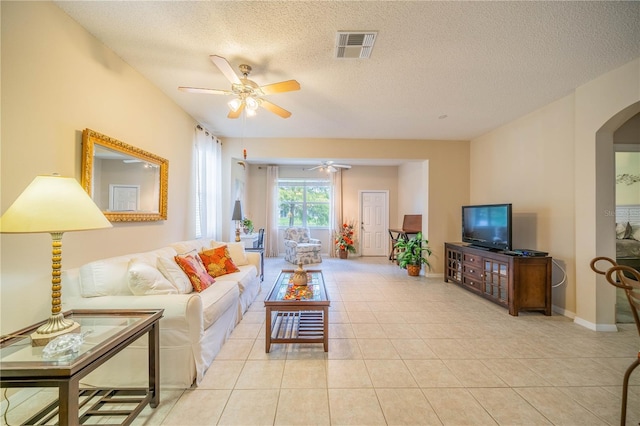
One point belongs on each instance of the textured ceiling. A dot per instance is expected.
(482, 64)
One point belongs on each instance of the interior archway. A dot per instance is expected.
(606, 202)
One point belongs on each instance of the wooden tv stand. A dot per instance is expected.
(516, 282)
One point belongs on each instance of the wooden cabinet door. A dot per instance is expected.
(496, 280)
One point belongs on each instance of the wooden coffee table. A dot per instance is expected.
(297, 314)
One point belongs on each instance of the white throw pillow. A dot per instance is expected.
(171, 271)
(623, 230)
(238, 255)
(635, 232)
(144, 279)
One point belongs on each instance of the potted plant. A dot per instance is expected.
(344, 240)
(411, 253)
(247, 225)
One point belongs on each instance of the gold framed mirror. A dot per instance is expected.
(127, 183)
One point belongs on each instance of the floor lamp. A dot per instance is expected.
(55, 205)
(237, 216)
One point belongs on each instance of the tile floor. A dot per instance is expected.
(413, 351)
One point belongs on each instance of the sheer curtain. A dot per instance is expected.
(207, 177)
(336, 208)
(271, 233)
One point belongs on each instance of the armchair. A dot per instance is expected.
(300, 248)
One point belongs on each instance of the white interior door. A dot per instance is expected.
(374, 213)
(124, 198)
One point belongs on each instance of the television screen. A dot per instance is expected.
(487, 226)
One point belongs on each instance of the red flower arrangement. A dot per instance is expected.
(345, 239)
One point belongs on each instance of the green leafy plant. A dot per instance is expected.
(412, 251)
(247, 224)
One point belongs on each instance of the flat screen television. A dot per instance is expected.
(487, 226)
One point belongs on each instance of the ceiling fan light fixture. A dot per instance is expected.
(250, 112)
(234, 104)
(252, 103)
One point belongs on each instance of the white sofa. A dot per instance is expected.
(194, 326)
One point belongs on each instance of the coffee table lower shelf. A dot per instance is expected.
(298, 327)
(98, 404)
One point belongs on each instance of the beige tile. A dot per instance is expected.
(604, 403)
(355, 407)
(155, 416)
(449, 349)
(557, 407)
(473, 373)
(362, 317)
(344, 349)
(235, 349)
(432, 373)
(221, 375)
(338, 317)
(368, 331)
(341, 331)
(507, 407)
(398, 331)
(304, 374)
(347, 374)
(303, 407)
(377, 349)
(198, 407)
(254, 316)
(246, 330)
(390, 374)
(514, 372)
(258, 351)
(250, 407)
(574, 372)
(406, 407)
(261, 375)
(457, 407)
(413, 349)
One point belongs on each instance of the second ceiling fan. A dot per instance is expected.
(330, 166)
(249, 96)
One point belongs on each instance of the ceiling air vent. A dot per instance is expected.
(355, 45)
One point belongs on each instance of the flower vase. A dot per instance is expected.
(343, 254)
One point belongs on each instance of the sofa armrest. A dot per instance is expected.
(254, 259)
(290, 243)
(314, 241)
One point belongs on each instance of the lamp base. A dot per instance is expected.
(41, 339)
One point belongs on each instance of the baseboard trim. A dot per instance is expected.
(595, 327)
(563, 312)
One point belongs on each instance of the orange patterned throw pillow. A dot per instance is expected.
(192, 265)
(217, 261)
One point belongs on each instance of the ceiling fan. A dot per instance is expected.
(248, 95)
(330, 167)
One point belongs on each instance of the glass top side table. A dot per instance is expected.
(106, 332)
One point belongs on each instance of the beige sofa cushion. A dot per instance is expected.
(216, 299)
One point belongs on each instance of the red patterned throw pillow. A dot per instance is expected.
(217, 261)
(192, 265)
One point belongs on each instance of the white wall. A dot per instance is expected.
(57, 80)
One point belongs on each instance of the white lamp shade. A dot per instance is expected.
(53, 204)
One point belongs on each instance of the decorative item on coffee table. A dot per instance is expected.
(411, 253)
(345, 240)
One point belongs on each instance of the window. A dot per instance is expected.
(304, 202)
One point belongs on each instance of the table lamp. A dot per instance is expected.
(53, 204)
(237, 216)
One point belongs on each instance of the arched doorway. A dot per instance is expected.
(606, 204)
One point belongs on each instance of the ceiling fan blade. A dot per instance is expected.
(225, 68)
(283, 86)
(205, 91)
(275, 108)
(316, 167)
(236, 113)
(342, 166)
